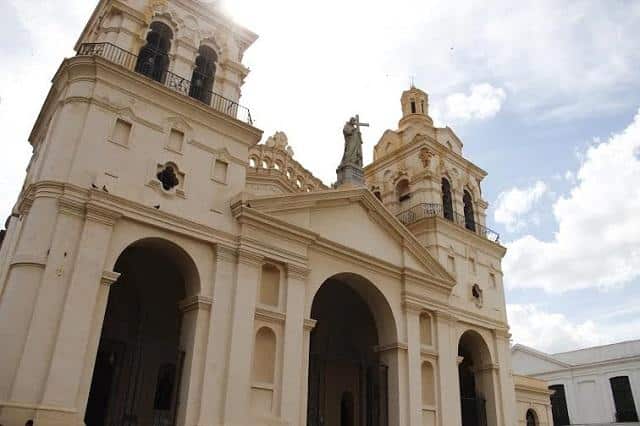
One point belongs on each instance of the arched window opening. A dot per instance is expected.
(425, 329)
(264, 356)
(469, 217)
(403, 191)
(346, 409)
(447, 200)
(153, 59)
(265, 164)
(413, 107)
(531, 418)
(203, 75)
(623, 399)
(253, 162)
(559, 406)
(270, 285)
(428, 385)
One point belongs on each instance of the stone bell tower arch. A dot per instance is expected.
(131, 144)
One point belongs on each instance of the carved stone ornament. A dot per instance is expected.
(425, 157)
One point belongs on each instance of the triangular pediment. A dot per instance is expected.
(353, 219)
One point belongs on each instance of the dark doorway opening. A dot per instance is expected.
(348, 385)
(136, 379)
(476, 382)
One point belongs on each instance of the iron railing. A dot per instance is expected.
(128, 60)
(424, 210)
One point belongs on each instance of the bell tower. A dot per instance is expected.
(142, 133)
(415, 107)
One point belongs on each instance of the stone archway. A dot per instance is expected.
(348, 375)
(475, 369)
(141, 355)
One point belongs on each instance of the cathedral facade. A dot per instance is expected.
(163, 268)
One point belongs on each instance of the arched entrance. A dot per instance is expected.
(476, 381)
(348, 380)
(139, 364)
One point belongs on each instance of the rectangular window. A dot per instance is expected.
(176, 139)
(121, 132)
(623, 398)
(220, 170)
(559, 406)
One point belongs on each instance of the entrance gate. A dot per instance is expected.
(368, 408)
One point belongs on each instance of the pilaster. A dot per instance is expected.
(238, 380)
(293, 356)
(194, 335)
(219, 338)
(448, 376)
(76, 344)
(414, 358)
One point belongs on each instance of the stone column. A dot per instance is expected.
(449, 380)
(215, 368)
(193, 339)
(238, 379)
(8, 247)
(293, 355)
(412, 313)
(78, 335)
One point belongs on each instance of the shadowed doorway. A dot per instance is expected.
(348, 383)
(138, 368)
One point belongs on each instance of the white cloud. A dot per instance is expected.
(514, 204)
(554, 332)
(550, 332)
(597, 244)
(483, 101)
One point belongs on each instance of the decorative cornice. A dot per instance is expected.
(100, 214)
(249, 258)
(195, 303)
(71, 207)
(268, 315)
(108, 278)
(225, 253)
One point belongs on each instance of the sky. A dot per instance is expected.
(545, 96)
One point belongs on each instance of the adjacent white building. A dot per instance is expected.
(599, 385)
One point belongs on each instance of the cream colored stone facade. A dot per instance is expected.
(161, 268)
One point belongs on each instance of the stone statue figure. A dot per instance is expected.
(350, 173)
(352, 142)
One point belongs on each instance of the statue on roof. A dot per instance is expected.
(350, 173)
(352, 142)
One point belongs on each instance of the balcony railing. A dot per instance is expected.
(424, 210)
(128, 60)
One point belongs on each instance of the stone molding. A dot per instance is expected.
(194, 303)
(28, 260)
(297, 272)
(109, 278)
(225, 254)
(398, 346)
(309, 324)
(249, 258)
(100, 214)
(268, 315)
